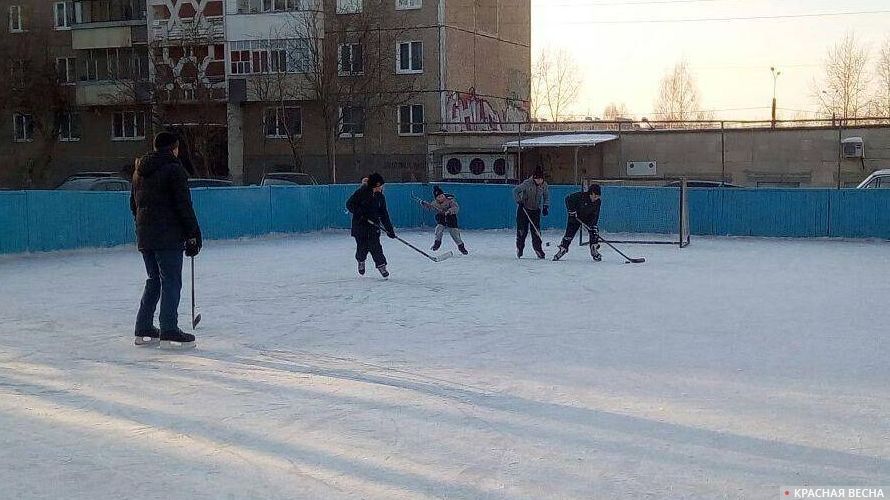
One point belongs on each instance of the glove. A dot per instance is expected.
(193, 247)
(545, 211)
(573, 214)
(391, 233)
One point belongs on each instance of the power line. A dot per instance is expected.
(724, 19)
(623, 4)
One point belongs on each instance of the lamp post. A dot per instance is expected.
(776, 75)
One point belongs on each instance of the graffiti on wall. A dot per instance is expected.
(469, 111)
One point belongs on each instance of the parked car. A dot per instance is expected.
(209, 183)
(95, 181)
(703, 184)
(288, 179)
(879, 179)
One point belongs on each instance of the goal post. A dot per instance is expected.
(656, 208)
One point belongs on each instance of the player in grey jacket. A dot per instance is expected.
(533, 199)
(446, 209)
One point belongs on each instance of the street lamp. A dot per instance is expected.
(776, 75)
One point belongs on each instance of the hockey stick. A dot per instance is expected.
(535, 227)
(195, 319)
(434, 258)
(638, 260)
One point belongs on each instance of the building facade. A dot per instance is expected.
(335, 88)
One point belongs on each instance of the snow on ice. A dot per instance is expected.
(724, 370)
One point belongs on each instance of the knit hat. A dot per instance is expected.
(165, 140)
(539, 172)
(375, 180)
(437, 191)
(594, 189)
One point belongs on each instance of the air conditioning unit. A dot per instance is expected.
(480, 167)
(853, 147)
(641, 168)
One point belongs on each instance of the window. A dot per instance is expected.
(24, 127)
(410, 55)
(64, 15)
(252, 57)
(69, 127)
(349, 6)
(281, 123)
(66, 69)
(283, 5)
(351, 59)
(128, 125)
(352, 121)
(882, 182)
(15, 19)
(112, 64)
(408, 4)
(411, 119)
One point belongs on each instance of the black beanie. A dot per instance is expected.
(437, 191)
(539, 172)
(594, 189)
(375, 180)
(165, 140)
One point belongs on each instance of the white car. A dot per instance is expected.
(879, 179)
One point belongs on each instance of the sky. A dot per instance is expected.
(623, 59)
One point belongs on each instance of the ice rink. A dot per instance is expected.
(724, 370)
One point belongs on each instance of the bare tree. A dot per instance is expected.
(881, 104)
(843, 89)
(678, 96)
(34, 91)
(615, 112)
(347, 70)
(556, 84)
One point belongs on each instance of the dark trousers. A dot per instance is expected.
(370, 243)
(164, 283)
(572, 227)
(522, 228)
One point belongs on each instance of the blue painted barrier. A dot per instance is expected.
(58, 220)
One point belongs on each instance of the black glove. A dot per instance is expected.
(573, 214)
(521, 204)
(193, 246)
(545, 211)
(391, 233)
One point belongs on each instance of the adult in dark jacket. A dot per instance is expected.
(369, 216)
(533, 199)
(583, 206)
(165, 226)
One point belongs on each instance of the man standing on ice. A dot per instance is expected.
(165, 225)
(582, 207)
(369, 216)
(446, 208)
(533, 198)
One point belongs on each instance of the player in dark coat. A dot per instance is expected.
(583, 206)
(165, 226)
(369, 217)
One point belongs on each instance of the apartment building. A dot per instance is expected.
(331, 87)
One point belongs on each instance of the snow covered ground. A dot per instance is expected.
(723, 370)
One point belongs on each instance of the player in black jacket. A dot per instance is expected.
(369, 216)
(583, 206)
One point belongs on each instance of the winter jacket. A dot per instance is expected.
(161, 204)
(446, 212)
(532, 196)
(588, 211)
(366, 205)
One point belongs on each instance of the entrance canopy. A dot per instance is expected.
(560, 141)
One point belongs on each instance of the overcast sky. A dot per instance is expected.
(624, 61)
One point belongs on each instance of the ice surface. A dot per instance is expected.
(723, 370)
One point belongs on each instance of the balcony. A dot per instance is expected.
(105, 24)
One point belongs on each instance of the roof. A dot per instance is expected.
(559, 141)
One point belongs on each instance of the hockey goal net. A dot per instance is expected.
(655, 209)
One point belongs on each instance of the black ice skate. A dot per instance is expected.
(361, 268)
(177, 339)
(518, 253)
(148, 338)
(462, 249)
(595, 253)
(436, 245)
(562, 251)
(383, 271)
(540, 254)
